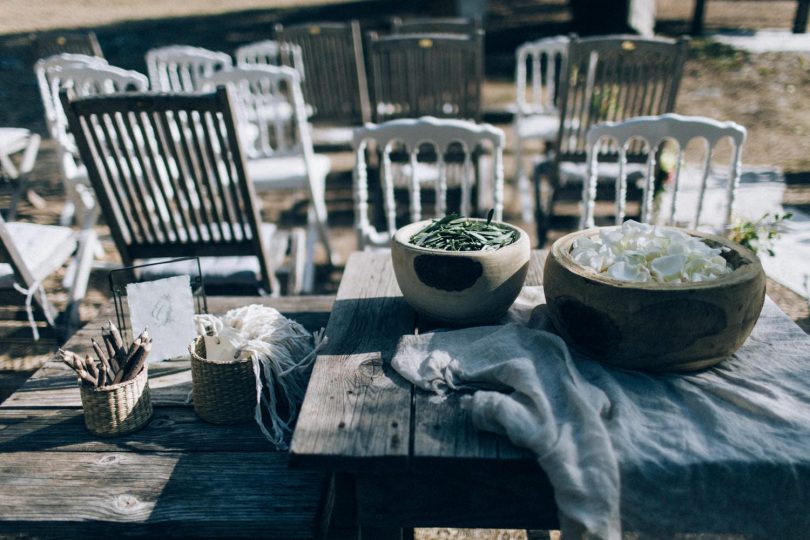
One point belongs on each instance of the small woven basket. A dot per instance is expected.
(117, 409)
(224, 392)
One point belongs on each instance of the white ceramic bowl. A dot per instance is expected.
(459, 288)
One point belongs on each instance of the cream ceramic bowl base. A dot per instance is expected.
(653, 326)
(459, 288)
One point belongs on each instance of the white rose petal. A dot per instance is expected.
(641, 252)
(668, 267)
(628, 272)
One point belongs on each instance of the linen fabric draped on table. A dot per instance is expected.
(724, 450)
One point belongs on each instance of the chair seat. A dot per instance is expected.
(238, 271)
(287, 172)
(43, 248)
(538, 126)
(13, 140)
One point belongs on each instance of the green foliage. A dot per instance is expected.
(759, 235)
(455, 233)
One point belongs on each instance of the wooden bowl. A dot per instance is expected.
(654, 326)
(459, 288)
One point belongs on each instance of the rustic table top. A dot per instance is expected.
(358, 412)
(415, 460)
(178, 472)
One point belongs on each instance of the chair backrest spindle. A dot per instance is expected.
(411, 136)
(178, 68)
(413, 75)
(610, 79)
(544, 57)
(335, 85)
(653, 131)
(170, 176)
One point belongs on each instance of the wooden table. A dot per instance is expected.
(410, 461)
(178, 476)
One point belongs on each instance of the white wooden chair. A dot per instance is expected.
(30, 253)
(15, 141)
(271, 53)
(171, 180)
(281, 156)
(411, 135)
(653, 131)
(43, 69)
(84, 78)
(536, 114)
(178, 68)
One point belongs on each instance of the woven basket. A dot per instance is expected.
(224, 392)
(117, 409)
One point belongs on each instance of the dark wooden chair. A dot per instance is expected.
(334, 84)
(169, 172)
(51, 43)
(607, 79)
(414, 75)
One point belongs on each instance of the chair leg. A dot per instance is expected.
(16, 195)
(485, 200)
(523, 183)
(66, 216)
(317, 213)
(297, 281)
(308, 253)
(539, 218)
(80, 275)
(26, 166)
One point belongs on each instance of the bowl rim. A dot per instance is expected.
(411, 229)
(561, 251)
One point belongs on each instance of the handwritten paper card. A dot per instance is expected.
(166, 308)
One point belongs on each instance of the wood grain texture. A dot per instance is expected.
(212, 494)
(357, 407)
(171, 429)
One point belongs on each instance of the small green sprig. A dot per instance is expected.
(759, 235)
(456, 233)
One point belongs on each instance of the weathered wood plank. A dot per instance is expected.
(443, 430)
(357, 408)
(220, 494)
(171, 429)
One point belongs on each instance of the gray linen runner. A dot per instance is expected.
(724, 450)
